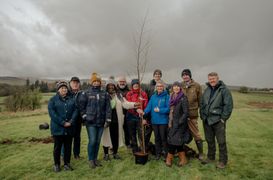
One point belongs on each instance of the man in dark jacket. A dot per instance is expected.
(95, 109)
(63, 114)
(74, 92)
(122, 88)
(215, 109)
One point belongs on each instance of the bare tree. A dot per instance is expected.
(142, 47)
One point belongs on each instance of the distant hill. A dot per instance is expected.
(12, 80)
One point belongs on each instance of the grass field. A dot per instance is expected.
(249, 137)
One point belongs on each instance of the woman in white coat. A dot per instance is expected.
(113, 132)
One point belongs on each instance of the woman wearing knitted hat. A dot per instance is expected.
(113, 135)
(63, 113)
(179, 133)
(95, 109)
(140, 97)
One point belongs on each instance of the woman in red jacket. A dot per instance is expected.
(133, 119)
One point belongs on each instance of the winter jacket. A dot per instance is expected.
(162, 102)
(179, 132)
(133, 96)
(94, 105)
(62, 110)
(193, 91)
(216, 104)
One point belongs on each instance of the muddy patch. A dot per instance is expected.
(8, 141)
(261, 105)
(42, 140)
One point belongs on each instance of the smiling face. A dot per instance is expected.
(157, 76)
(122, 84)
(176, 89)
(75, 86)
(63, 91)
(111, 88)
(136, 86)
(96, 83)
(159, 88)
(213, 80)
(186, 77)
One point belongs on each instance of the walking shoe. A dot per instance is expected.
(97, 163)
(67, 167)
(56, 168)
(220, 165)
(207, 161)
(182, 158)
(77, 157)
(116, 156)
(157, 157)
(92, 164)
(106, 157)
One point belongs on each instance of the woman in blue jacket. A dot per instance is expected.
(63, 113)
(158, 106)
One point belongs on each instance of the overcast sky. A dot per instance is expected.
(64, 38)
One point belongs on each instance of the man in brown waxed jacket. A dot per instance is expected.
(193, 91)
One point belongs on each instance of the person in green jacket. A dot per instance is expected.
(215, 109)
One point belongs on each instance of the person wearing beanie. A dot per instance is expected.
(139, 97)
(158, 106)
(193, 91)
(179, 133)
(122, 88)
(95, 109)
(113, 135)
(216, 108)
(63, 114)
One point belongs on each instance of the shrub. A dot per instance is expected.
(243, 89)
(23, 100)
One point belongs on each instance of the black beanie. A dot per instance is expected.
(187, 72)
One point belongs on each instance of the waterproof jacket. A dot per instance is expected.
(193, 91)
(133, 96)
(216, 104)
(162, 102)
(61, 110)
(94, 105)
(179, 133)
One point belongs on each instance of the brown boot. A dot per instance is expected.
(182, 157)
(169, 160)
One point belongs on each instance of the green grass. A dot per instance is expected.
(249, 137)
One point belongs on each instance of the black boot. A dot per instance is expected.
(199, 145)
(92, 164)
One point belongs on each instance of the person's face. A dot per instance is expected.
(111, 89)
(96, 83)
(176, 89)
(63, 91)
(159, 88)
(157, 76)
(75, 85)
(136, 86)
(186, 78)
(122, 84)
(213, 80)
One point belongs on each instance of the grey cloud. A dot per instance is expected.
(231, 37)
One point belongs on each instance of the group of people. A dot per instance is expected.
(115, 114)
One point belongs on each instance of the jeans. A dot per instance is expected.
(94, 136)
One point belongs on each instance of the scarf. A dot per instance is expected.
(175, 99)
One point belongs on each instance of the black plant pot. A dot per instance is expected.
(141, 158)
